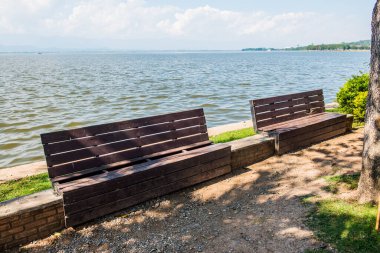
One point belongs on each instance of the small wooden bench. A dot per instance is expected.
(105, 168)
(296, 120)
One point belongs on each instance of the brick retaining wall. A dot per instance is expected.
(29, 218)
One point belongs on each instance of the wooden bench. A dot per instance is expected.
(296, 120)
(105, 168)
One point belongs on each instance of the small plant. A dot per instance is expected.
(360, 102)
(352, 96)
(351, 180)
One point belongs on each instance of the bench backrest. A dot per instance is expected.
(273, 110)
(84, 148)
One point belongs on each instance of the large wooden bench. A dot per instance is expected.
(105, 168)
(296, 120)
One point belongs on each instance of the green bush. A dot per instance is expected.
(360, 102)
(352, 96)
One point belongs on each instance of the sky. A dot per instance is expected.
(181, 25)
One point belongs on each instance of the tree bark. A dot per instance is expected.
(369, 183)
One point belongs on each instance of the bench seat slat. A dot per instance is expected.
(127, 190)
(285, 133)
(145, 195)
(204, 153)
(125, 163)
(316, 136)
(301, 121)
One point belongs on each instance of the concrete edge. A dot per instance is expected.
(32, 202)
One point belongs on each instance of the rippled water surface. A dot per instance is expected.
(53, 91)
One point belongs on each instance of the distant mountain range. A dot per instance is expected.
(358, 45)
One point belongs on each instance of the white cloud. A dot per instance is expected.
(129, 20)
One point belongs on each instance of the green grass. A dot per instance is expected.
(232, 135)
(347, 227)
(28, 185)
(334, 110)
(351, 181)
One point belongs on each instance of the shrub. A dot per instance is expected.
(352, 96)
(360, 102)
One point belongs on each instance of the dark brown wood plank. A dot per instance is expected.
(311, 134)
(134, 174)
(80, 143)
(189, 122)
(130, 190)
(283, 134)
(191, 131)
(118, 126)
(102, 139)
(167, 153)
(293, 122)
(280, 112)
(283, 148)
(263, 101)
(279, 105)
(127, 155)
(141, 171)
(261, 124)
(143, 196)
(301, 122)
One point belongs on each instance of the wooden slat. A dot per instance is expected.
(311, 134)
(102, 139)
(118, 126)
(279, 105)
(125, 163)
(283, 148)
(141, 171)
(285, 118)
(263, 101)
(143, 196)
(117, 179)
(289, 110)
(130, 190)
(127, 155)
(290, 123)
(311, 126)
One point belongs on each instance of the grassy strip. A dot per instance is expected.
(346, 226)
(28, 185)
(232, 135)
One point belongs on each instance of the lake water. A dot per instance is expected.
(53, 91)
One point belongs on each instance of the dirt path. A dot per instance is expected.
(256, 209)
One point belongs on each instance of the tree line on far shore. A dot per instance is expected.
(358, 45)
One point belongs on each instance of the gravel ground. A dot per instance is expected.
(256, 209)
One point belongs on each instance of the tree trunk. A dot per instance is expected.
(369, 184)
